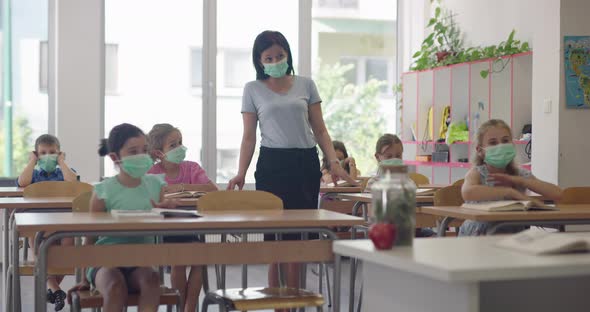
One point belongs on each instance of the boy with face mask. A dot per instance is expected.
(46, 163)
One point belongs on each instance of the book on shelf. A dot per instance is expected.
(185, 194)
(539, 242)
(508, 205)
(156, 213)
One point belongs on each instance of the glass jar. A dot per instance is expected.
(394, 201)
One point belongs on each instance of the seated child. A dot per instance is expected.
(389, 150)
(496, 176)
(131, 189)
(48, 163)
(348, 163)
(165, 146)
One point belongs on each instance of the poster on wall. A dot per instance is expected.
(577, 71)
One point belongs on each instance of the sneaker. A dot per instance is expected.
(50, 296)
(60, 299)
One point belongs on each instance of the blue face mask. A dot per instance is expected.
(276, 70)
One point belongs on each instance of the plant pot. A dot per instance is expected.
(442, 55)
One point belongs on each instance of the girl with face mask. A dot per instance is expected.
(166, 148)
(131, 189)
(496, 176)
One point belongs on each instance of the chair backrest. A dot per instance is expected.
(419, 179)
(459, 182)
(575, 195)
(449, 196)
(82, 202)
(56, 189)
(239, 200)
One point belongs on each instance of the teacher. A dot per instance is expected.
(289, 112)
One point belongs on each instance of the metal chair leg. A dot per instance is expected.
(8, 291)
(205, 278)
(358, 309)
(26, 249)
(329, 287)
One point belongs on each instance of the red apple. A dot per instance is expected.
(383, 235)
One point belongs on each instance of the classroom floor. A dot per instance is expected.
(257, 276)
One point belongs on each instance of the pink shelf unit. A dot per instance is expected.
(505, 94)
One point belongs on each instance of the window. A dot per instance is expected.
(338, 4)
(354, 54)
(237, 68)
(153, 68)
(29, 103)
(196, 67)
(111, 68)
(234, 48)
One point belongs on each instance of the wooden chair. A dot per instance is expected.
(419, 179)
(450, 196)
(575, 195)
(459, 182)
(56, 189)
(245, 299)
(92, 298)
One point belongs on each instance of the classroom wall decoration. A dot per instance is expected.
(577, 71)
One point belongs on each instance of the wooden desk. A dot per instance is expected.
(8, 204)
(101, 224)
(468, 274)
(567, 215)
(11, 191)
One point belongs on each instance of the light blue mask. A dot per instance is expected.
(47, 162)
(499, 156)
(276, 70)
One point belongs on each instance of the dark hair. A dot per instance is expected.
(47, 139)
(338, 146)
(265, 40)
(387, 139)
(117, 138)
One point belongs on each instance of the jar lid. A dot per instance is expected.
(394, 169)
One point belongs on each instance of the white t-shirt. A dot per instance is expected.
(283, 118)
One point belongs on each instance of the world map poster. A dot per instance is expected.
(577, 71)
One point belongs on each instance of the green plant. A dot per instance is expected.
(444, 46)
(22, 145)
(444, 40)
(508, 47)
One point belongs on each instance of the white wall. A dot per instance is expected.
(76, 100)
(535, 21)
(574, 127)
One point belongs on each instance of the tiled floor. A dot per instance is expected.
(257, 276)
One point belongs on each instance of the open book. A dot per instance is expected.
(342, 183)
(185, 194)
(508, 205)
(157, 213)
(425, 192)
(538, 242)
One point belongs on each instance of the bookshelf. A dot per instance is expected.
(505, 94)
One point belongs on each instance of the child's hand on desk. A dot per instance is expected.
(166, 203)
(84, 285)
(340, 174)
(502, 179)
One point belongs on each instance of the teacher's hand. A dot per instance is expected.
(236, 181)
(338, 173)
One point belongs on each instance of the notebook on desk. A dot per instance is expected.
(185, 194)
(508, 205)
(538, 242)
(157, 213)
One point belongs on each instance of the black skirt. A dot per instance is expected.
(293, 175)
